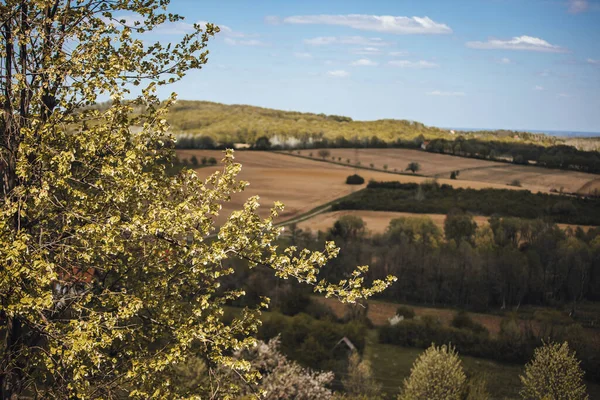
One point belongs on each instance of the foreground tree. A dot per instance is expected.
(553, 373)
(110, 269)
(436, 374)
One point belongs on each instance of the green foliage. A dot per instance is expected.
(515, 182)
(459, 226)
(554, 373)
(463, 320)
(436, 374)
(311, 342)
(262, 143)
(359, 381)
(355, 180)
(349, 227)
(413, 167)
(441, 199)
(406, 312)
(212, 161)
(477, 389)
(112, 273)
(324, 153)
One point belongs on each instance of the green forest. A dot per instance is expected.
(246, 124)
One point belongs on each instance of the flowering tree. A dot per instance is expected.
(110, 269)
(280, 378)
(436, 374)
(553, 373)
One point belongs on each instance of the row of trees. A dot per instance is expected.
(506, 263)
(431, 197)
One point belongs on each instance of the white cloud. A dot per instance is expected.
(367, 51)
(272, 20)
(249, 42)
(340, 73)
(378, 23)
(564, 95)
(329, 62)
(364, 62)
(578, 6)
(528, 43)
(351, 40)
(538, 88)
(593, 62)
(397, 53)
(303, 55)
(505, 60)
(441, 93)
(413, 64)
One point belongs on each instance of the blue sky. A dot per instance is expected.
(514, 64)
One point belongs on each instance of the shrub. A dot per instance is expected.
(413, 167)
(194, 161)
(406, 312)
(436, 374)
(318, 310)
(554, 373)
(515, 182)
(463, 320)
(324, 153)
(212, 161)
(355, 180)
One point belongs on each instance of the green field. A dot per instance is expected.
(391, 364)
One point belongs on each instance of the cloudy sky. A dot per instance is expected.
(515, 64)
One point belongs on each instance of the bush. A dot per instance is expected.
(436, 374)
(554, 373)
(321, 311)
(212, 161)
(406, 312)
(463, 320)
(355, 180)
(515, 182)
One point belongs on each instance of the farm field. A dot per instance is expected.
(378, 221)
(300, 183)
(441, 165)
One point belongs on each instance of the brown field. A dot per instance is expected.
(441, 165)
(378, 221)
(300, 183)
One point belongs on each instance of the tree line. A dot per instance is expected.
(431, 197)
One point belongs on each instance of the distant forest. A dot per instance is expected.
(205, 125)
